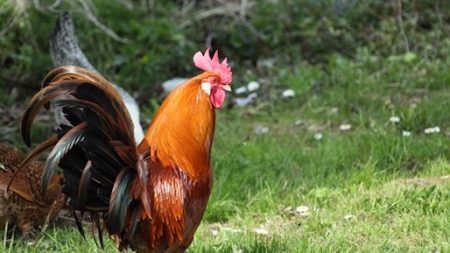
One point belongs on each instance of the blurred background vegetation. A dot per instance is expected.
(140, 43)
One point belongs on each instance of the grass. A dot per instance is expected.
(368, 189)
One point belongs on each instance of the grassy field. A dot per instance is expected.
(357, 161)
(369, 188)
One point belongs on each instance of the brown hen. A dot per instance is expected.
(23, 205)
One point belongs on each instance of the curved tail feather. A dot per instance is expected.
(96, 149)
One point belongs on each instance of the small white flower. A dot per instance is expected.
(318, 136)
(394, 119)
(252, 86)
(345, 127)
(288, 93)
(348, 217)
(406, 133)
(240, 90)
(261, 231)
(302, 210)
(432, 130)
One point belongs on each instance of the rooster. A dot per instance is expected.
(64, 50)
(23, 204)
(152, 196)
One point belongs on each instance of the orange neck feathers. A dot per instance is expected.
(182, 130)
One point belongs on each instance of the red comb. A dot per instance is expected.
(206, 63)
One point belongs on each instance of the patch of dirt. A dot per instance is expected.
(425, 182)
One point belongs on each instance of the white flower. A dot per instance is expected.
(261, 231)
(394, 119)
(302, 210)
(240, 90)
(406, 133)
(288, 93)
(318, 136)
(252, 86)
(345, 127)
(432, 130)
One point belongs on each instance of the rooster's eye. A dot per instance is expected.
(213, 80)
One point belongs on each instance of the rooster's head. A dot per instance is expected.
(219, 79)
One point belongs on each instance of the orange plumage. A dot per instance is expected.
(152, 196)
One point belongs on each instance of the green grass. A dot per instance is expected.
(395, 188)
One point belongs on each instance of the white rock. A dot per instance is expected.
(214, 231)
(334, 110)
(260, 129)
(302, 210)
(345, 127)
(232, 230)
(348, 217)
(406, 133)
(240, 90)
(31, 242)
(318, 136)
(171, 84)
(394, 119)
(245, 101)
(236, 250)
(288, 93)
(268, 63)
(261, 231)
(252, 86)
(299, 122)
(432, 130)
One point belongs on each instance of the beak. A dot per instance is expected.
(226, 87)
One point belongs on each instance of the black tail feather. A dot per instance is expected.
(78, 222)
(38, 101)
(96, 150)
(66, 143)
(120, 201)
